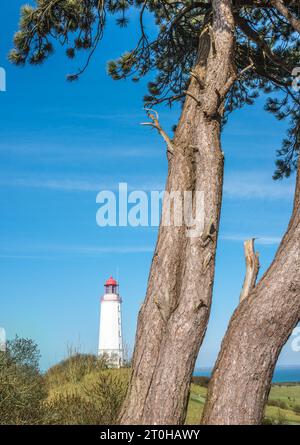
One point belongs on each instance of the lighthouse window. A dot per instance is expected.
(111, 289)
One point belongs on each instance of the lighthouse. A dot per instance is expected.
(110, 332)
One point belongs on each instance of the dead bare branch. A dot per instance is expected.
(252, 268)
(153, 115)
(197, 78)
(193, 97)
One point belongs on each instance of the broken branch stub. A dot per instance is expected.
(252, 268)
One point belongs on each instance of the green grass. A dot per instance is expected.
(78, 377)
(289, 394)
(196, 404)
(84, 386)
(80, 390)
(288, 416)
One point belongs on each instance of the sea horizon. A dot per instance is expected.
(282, 373)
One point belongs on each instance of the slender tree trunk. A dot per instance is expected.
(173, 319)
(258, 330)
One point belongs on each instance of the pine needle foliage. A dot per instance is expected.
(267, 50)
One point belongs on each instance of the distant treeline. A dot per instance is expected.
(202, 381)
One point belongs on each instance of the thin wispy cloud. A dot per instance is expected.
(83, 153)
(94, 250)
(33, 251)
(111, 114)
(245, 185)
(260, 239)
(22, 257)
(53, 251)
(76, 185)
(257, 185)
(53, 184)
(113, 117)
(251, 132)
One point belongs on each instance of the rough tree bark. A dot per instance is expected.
(258, 330)
(173, 319)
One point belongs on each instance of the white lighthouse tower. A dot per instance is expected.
(110, 333)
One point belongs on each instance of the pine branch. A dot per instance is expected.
(255, 37)
(292, 19)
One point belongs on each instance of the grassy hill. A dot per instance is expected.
(283, 406)
(81, 391)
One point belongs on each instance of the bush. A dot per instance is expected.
(74, 368)
(279, 403)
(96, 404)
(281, 419)
(71, 409)
(22, 388)
(267, 421)
(79, 390)
(108, 394)
(296, 409)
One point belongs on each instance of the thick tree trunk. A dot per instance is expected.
(174, 317)
(257, 332)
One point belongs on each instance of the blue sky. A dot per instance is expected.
(62, 143)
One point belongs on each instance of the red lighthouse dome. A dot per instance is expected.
(111, 282)
(111, 286)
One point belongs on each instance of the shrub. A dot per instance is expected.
(281, 419)
(74, 368)
(70, 409)
(296, 409)
(79, 390)
(96, 404)
(22, 387)
(267, 421)
(279, 403)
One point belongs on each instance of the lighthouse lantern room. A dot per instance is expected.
(110, 333)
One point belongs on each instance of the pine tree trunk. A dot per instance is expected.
(173, 320)
(258, 330)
